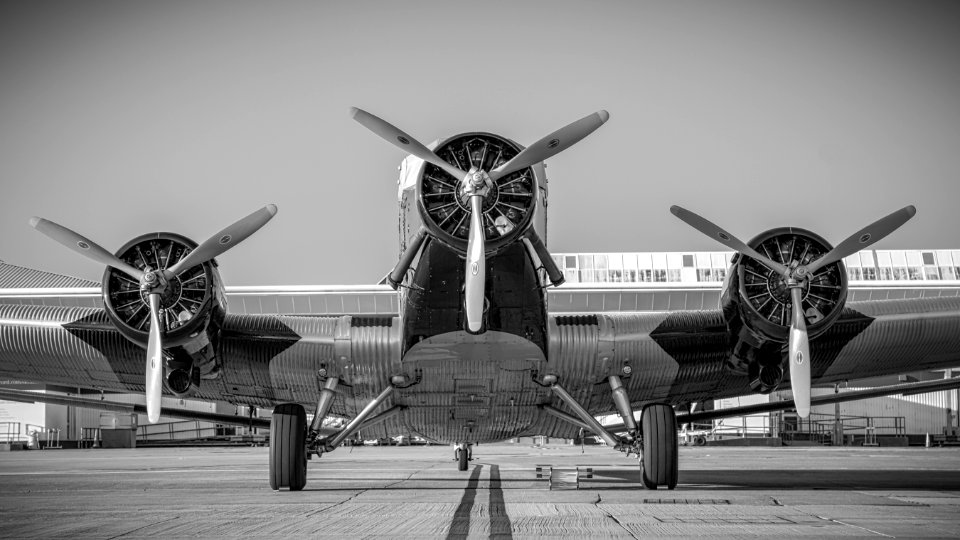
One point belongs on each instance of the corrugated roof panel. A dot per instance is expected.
(18, 277)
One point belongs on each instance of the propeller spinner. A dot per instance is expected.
(154, 282)
(794, 276)
(476, 184)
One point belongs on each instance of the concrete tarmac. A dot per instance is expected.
(417, 492)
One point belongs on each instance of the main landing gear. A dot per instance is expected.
(658, 458)
(655, 442)
(288, 450)
(292, 444)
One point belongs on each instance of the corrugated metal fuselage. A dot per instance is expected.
(473, 387)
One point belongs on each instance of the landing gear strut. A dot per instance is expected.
(290, 440)
(655, 441)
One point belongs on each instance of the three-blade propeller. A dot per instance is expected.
(475, 185)
(794, 276)
(153, 282)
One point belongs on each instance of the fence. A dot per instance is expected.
(833, 429)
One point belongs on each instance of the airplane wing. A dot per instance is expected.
(263, 359)
(691, 356)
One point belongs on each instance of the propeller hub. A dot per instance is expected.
(170, 292)
(476, 183)
(779, 287)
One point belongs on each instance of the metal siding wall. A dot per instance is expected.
(922, 413)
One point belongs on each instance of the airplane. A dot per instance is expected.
(474, 354)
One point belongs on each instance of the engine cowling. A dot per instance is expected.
(507, 211)
(192, 307)
(757, 304)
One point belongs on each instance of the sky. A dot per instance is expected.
(119, 118)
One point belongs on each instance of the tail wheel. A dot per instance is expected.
(288, 456)
(658, 423)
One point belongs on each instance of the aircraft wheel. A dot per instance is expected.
(658, 424)
(288, 456)
(463, 457)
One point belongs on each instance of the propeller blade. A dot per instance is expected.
(866, 236)
(219, 243)
(713, 231)
(154, 367)
(476, 267)
(403, 141)
(83, 246)
(552, 144)
(799, 359)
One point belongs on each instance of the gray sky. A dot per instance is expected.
(120, 118)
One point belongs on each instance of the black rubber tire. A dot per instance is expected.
(463, 457)
(658, 423)
(288, 455)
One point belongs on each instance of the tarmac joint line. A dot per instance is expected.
(837, 521)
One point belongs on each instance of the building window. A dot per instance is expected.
(928, 258)
(688, 261)
(854, 274)
(886, 273)
(660, 275)
(673, 275)
(586, 262)
(900, 273)
(646, 275)
(930, 272)
(571, 261)
(870, 273)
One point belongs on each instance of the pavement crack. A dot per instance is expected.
(411, 475)
(345, 501)
(614, 518)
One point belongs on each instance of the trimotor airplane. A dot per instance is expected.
(474, 355)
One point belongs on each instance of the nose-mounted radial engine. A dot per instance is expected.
(162, 291)
(788, 286)
(478, 194)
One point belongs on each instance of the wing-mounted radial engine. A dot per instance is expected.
(787, 286)
(477, 194)
(758, 304)
(163, 292)
(192, 306)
